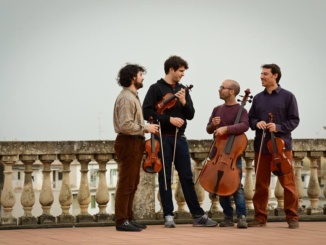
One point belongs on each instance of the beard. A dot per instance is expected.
(138, 85)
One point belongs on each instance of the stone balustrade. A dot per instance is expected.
(309, 156)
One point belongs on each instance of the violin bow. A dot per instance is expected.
(175, 143)
(260, 149)
(159, 123)
(209, 152)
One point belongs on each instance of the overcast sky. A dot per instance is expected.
(59, 59)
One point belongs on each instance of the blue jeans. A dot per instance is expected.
(238, 196)
(183, 166)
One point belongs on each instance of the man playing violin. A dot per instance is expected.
(129, 144)
(221, 122)
(173, 122)
(283, 105)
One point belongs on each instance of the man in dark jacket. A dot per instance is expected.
(173, 122)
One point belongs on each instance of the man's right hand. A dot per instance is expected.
(176, 121)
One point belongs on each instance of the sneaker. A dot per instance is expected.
(127, 226)
(255, 223)
(204, 221)
(293, 224)
(242, 223)
(169, 221)
(134, 223)
(227, 222)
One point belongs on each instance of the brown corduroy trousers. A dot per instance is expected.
(129, 151)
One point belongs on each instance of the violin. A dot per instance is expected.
(152, 163)
(280, 164)
(169, 100)
(220, 175)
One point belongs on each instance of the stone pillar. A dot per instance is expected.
(181, 212)
(159, 214)
(65, 197)
(279, 195)
(8, 199)
(324, 192)
(198, 159)
(297, 158)
(144, 201)
(214, 211)
(84, 194)
(313, 186)
(248, 183)
(102, 194)
(46, 196)
(28, 197)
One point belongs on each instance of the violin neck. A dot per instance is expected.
(169, 99)
(152, 143)
(273, 143)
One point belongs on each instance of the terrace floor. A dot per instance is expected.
(274, 233)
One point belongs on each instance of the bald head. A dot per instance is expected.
(233, 85)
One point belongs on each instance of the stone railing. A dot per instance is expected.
(308, 156)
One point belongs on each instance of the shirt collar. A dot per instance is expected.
(277, 90)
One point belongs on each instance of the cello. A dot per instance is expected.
(220, 175)
(152, 163)
(280, 164)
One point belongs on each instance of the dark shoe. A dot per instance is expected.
(204, 221)
(242, 223)
(227, 222)
(126, 226)
(293, 224)
(134, 223)
(255, 223)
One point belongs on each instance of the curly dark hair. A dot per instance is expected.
(174, 62)
(127, 73)
(275, 69)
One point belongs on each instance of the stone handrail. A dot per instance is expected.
(308, 154)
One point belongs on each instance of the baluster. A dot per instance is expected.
(28, 197)
(144, 200)
(198, 159)
(298, 157)
(249, 183)
(181, 201)
(324, 192)
(214, 211)
(84, 194)
(313, 186)
(279, 195)
(8, 199)
(102, 194)
(46, 196)
(65, 197)
(159, 214)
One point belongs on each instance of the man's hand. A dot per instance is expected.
(176, 121)
(152, 128)
(181, 95)
(221, 131)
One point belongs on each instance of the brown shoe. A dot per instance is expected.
(293, 224)
(255, 223)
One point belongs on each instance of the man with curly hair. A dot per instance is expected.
(129, 145)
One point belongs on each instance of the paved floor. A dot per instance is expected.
(274, 233)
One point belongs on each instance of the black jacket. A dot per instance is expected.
(155, 94)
